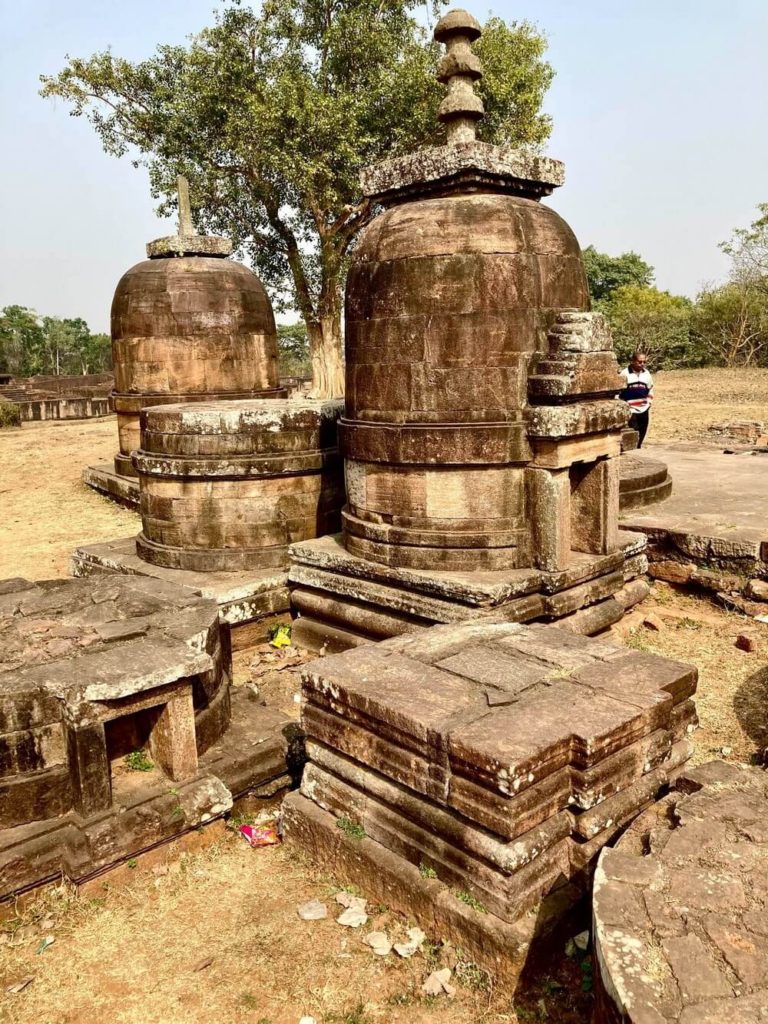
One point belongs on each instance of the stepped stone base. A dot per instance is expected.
(343, 600)
(501, 758)
(642, 481)
(122, 489)
(244, 598)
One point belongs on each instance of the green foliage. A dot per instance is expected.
(470, 900)
(656, 322)
(31, 344)
(729, 326)
(293, 350)
(350, 828)
(607, 273)
(272, 115)
(426, 870)
(10, 414)
(138, 761)
(748, 249)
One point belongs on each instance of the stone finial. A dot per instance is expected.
(459, 69)
(185, 210)
(187, 242)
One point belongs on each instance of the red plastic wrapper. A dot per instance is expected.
(260, 835)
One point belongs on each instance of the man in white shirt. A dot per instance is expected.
(638, 393)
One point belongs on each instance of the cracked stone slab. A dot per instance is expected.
(696, 948)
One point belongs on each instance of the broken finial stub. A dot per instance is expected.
(459, 69)
(187, 242)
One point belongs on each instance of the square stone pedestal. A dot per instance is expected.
(342, 600)
(493, 758)
(244, 598)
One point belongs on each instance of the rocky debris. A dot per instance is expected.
(748, 431)
(757, 590)
(415, 941)
(679, 907)
(438, 983)
(314, 910)
(747, 642)
(379, 943)
(653, 622)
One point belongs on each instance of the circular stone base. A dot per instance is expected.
(642, 481)
(679, 917)
(211, 559)
(124, 466)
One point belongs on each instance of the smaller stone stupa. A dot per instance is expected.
(188, 325)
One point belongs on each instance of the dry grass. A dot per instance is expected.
(126, 951)
(732, 698)
(134, 950)
(45, 509)
(688, 402)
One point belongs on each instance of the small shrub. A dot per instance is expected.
(350, 828)
(138, 761)
(10, 414)
(426, 870)
(470, 900)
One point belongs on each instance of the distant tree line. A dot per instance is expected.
(725, 325)
(31, 344)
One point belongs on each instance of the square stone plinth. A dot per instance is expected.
(343, 600)
(244, 598)
(501, 756)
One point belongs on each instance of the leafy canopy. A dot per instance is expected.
(272, 115)
(607, 273)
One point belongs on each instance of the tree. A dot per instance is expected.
(31, 344)
(607, 273)
(22, 341)
(748, 249)
(730, 324)
(293, 350)
(272, 116)
(650, 320)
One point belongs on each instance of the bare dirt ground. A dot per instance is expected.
(213, 934)
(45, 509)
(688, 402)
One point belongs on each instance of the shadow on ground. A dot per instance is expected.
(750, 704)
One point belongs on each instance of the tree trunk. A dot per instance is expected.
(325, 346)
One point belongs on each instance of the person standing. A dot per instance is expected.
(638, 393)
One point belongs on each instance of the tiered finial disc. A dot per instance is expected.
(459, 69)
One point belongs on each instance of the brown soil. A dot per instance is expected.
(131, 947)
(688, 402)
(45, 509)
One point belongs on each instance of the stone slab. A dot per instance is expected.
(122, 489)
(243, 597)
(721, 524)
(679, 905)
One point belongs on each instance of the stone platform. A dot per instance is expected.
(497, 758)
(716, 514)
(681, 906)
(94, 672)
(243, 598)
(343, 600)
(122, 489)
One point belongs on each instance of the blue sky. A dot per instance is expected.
(660, 110)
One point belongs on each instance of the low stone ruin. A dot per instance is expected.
(497, 758)
(93, 674)
(227, 486)
(680, 921)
